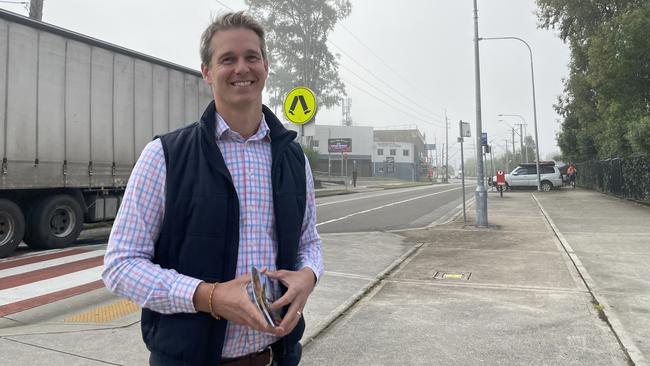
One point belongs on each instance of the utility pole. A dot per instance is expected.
(513, 145)
(481, 193)
(442, 163)
(447, 147)
(36, 9)
(435, 142)
(526, 134)
(521, 140)
(507, 163)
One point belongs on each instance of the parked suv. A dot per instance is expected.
(525, 175)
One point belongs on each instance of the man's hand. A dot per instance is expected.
(299, 285)
(230, 301)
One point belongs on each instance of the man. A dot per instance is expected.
(206, 202)
(572, 171)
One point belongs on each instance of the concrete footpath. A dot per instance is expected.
(559, 278)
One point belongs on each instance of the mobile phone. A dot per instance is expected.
(260, 283)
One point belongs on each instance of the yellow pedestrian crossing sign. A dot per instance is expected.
(300, 105)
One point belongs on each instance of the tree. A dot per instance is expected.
(297, 43)
(36, 9)
(606, 101)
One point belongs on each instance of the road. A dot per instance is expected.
(387, 210)
(33, 279)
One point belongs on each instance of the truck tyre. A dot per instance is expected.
(546, 186)
(12, 227)
(54, 222)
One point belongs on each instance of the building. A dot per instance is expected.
(341, 149)
(400, 153)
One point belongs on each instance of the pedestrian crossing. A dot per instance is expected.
(37, 279)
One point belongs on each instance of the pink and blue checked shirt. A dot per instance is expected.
(128, 269)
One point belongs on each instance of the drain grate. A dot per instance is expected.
(456, 276)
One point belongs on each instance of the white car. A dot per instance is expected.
(525, 175)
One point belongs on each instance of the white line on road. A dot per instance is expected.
(384, 206)
(49, 263)
(396, 191)
(38, 288)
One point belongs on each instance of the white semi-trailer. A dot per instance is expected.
(75, 113)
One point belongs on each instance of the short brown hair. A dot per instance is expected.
(227, 21)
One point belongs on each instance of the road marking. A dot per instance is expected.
(384, 206)
(54, 284)
(396, 191)
(62, 259)
(33, 258)
(29, 282)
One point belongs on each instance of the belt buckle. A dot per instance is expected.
(271, 354)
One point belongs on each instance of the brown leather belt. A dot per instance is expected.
(261, 358)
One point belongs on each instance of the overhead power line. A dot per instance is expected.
(419, 119)
(392, 87)
(400, 77)
(425, 116)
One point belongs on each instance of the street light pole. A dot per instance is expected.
(532, 77)
(480, 194)
(523, 137)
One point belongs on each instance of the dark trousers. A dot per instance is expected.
(289, 358)
(280, 358)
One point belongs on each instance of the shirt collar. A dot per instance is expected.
(223, 131)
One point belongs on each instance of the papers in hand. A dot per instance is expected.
(261, 297)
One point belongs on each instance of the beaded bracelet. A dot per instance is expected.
(214, 286)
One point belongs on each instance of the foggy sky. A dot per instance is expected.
(427, 45)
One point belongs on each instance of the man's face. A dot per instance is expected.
(237, 72)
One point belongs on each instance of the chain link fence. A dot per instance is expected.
(623, 177)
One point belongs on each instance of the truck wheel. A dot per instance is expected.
(12, 227)
(546, 186)
(54, 222)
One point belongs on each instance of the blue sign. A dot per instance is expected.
(429, 146)
(484, 139)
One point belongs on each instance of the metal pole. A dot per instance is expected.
(521, 140)
(492, 161)
(329, 155)
(481, 192)
(526, 134)
(507, 164)
(462, 169)
(514, 153)
(435, 142)
(447, 147)
(532, 78)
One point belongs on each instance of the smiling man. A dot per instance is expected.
(208, 201)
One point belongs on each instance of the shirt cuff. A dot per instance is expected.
(313, 269)
(181, 294)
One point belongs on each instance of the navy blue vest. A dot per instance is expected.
(200, 232)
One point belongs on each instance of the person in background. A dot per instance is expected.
(206, 202)
(572, 171)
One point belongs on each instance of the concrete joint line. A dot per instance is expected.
(628, 346)
(59, 351)
(348, 275)
(358, 296)
(491, 286)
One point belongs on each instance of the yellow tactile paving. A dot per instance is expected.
(105, 313)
